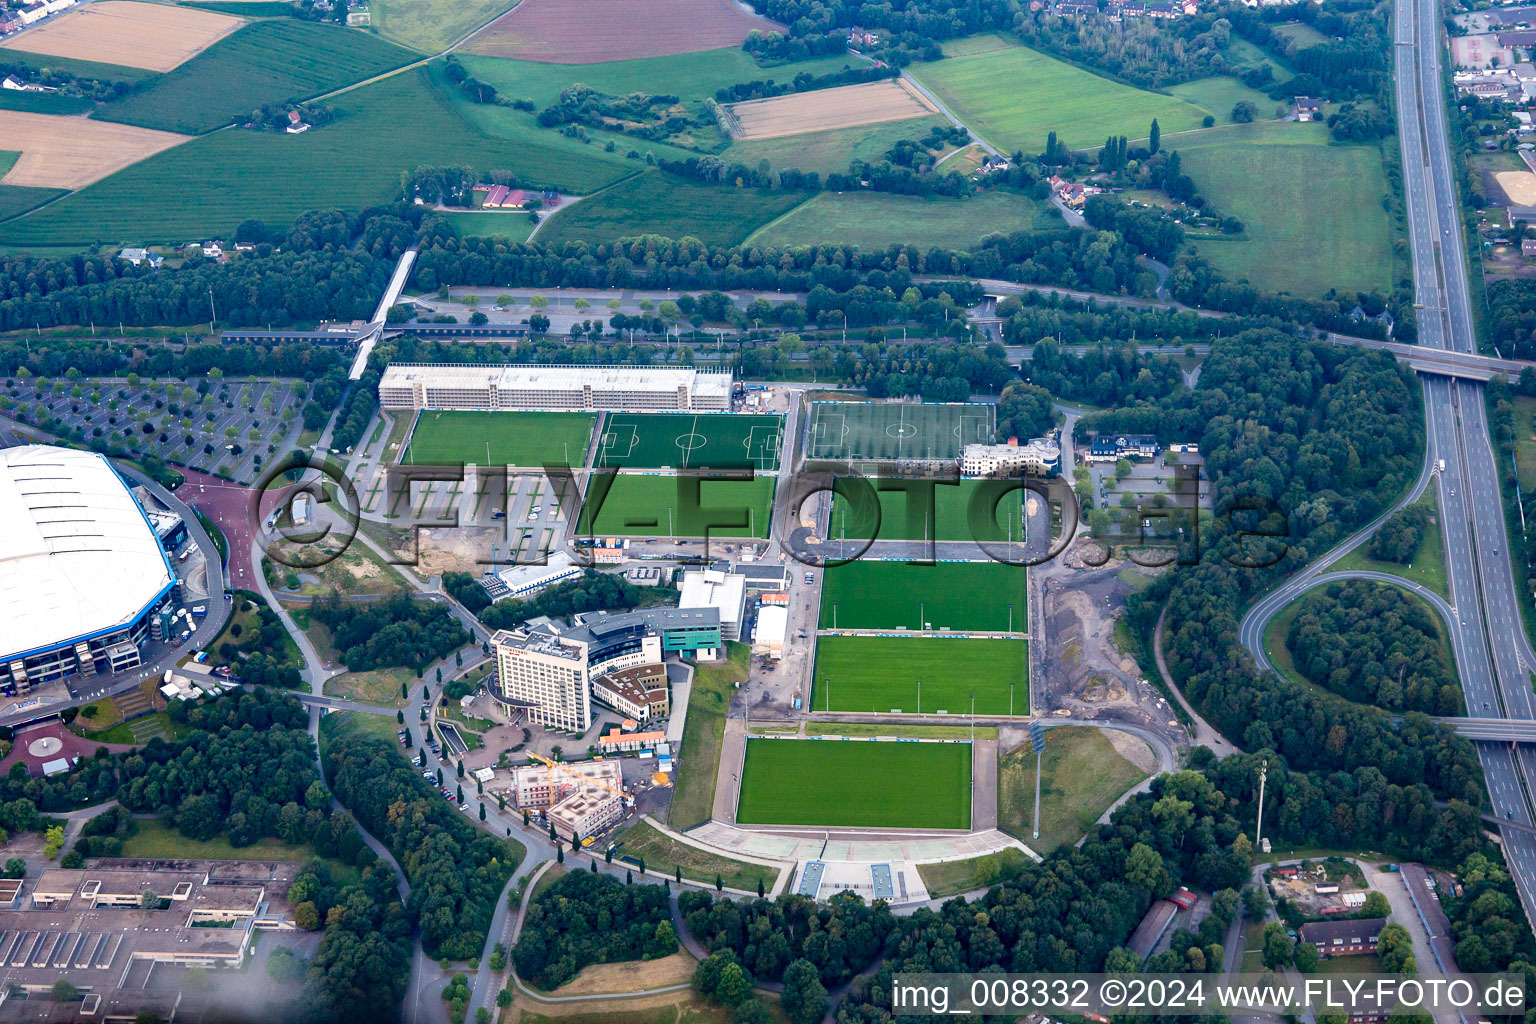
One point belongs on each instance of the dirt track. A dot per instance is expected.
(846, 106)
(135, 35)
(589, 31)
(72, 152)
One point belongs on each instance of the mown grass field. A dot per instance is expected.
(431, 26)
(44, 102)
(1082, 775)
(829, 151)
(665, 855)
(1427, 566)
(264, 62)
(688, 76)
(693, 799)
(664, 506)
(511, 224)
(1219, 95)
(868, 594)
(875, 220)
(856, 783)
(1313, 211)
(1014, 97)
(881, 674)
(689, 441)
(656, 203)
(514, 438)
(981, 510)
(211, 184)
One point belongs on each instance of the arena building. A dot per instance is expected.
(82, 571)
(517, 387)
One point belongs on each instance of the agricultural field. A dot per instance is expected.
(980, 510)
(44, 102)
(845, 106)
(1270, 176)
(72, 152)
(594, 31)
(896, 430)
(351, 163)
(688, 76)
(687, 441)
(832, 151)
(960, 596)
(431, 26)
(656, 203)
(265, 62)
(156, 37)
(514, 438)
(1219, 95)
(1085, 770)
(1014, 97)
(856, 783)
(16, 199)
(664, 506)
(886, 673)
(876, 220)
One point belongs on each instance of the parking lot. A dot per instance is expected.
(226, 428)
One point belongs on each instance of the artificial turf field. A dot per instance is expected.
(856, 783)
(515, 438)
(904, 514)
(663, 505)
(881, 674)
(689, 441)
(898, 430)
(960, 596)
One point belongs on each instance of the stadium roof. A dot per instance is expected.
(77, 556)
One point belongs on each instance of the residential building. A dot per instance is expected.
(584, 798)
(725, 592)
(1040, 456)
(639, 693)
(1528, 247)
(137, 256)
(544, 674)
(1308, 108)
(1344, 938)
(1114, 447)
(622, 388)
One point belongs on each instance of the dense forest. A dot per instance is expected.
(586, 918)
(456, 871)
(1374, 643)
(396, 631)
(591, 591)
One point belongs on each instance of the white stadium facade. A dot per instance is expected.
(467, 386)
(82, 573)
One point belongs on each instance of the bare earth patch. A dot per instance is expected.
(846, 106)
(136, 35)
(631, 976)
(590, 31)
(72, 152)
(1520, 186)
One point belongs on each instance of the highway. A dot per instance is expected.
(1493, 654)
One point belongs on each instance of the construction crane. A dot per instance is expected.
(554, 766)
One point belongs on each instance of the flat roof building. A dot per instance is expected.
(545, 674)
(81, 568)
(580, 799)
(726, 592)
(1040, 456)
(533, 387)
(639, 692)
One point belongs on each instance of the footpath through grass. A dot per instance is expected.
(693, 800)
(924, 675)
(960, 596)
(1083, 775)
(856, 783)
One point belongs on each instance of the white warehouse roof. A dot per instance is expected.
(725, 592)
(77, 555)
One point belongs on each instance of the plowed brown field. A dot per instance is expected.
(591, 31)
(846, 106)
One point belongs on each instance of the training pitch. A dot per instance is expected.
(528, 439)
(960, 596)
(686, 441)
(898, 431)
(643, 505)
(856, 783)
(985, 511)
(926, 675)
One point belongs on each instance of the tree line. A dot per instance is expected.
(586, 918)
(396, 631)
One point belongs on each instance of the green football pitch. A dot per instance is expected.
(506, 438)
(925, 675)
(960, 596)
(896, 431)
(688, 441)
(662, 505)
(898, 509)
(878, 784)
